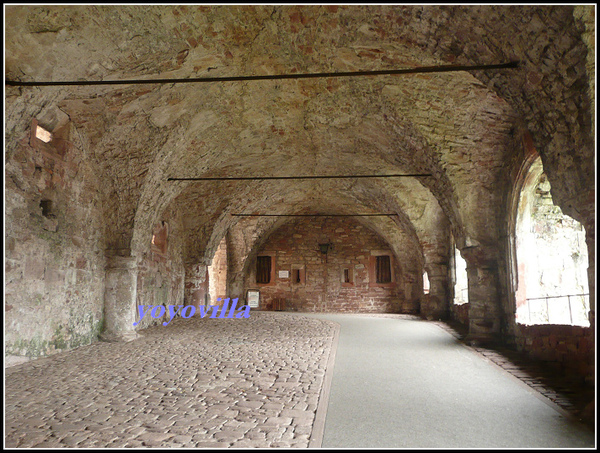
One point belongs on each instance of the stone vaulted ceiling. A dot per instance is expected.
(460, 127)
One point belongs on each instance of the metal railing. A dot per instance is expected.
(583, 298)
(462, 297)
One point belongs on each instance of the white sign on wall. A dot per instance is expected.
(284, 274)
(253, 298)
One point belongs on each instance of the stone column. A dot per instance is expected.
(485, 314)
(591, 243)
(120, 299)
(196, 285)
(437, 302)
(590, 239)
(236, 283)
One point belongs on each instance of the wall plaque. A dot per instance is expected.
(253, 298)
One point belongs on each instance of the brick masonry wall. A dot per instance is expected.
(295, 246)
(571, 347)
(54, 258)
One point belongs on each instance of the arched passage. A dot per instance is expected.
(549, 315)
(458, 127)
(217, 274)
(552, 261)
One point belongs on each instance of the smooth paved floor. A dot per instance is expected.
(402, 383)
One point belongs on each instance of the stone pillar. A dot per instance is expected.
(590, 239)
(236, 282)
(196, 285)
(485, 314)
(437, 300)
(120, 299)
(591, 243)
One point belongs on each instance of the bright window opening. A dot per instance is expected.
(461, 282)
(217, 275)
(43, 134)
(552, 259)
(425, 283)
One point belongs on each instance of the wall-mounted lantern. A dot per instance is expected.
(325, 248)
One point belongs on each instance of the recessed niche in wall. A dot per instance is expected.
(48, 209)
(298, 276)
(347, 275)
(160, 236)
(49, 221)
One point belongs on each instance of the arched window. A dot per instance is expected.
(217, 274)
(425, 283)
(552, 260)
(461, 283)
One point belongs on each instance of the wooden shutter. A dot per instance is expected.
(263, 269)
(383, 269)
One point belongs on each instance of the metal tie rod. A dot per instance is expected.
(262, 178)
(313, 215)
(420, 70)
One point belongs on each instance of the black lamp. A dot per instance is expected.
(324, 248)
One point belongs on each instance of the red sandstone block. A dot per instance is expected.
(54, 276)
(584, 345)
(80, 262)
(34, 269)
(561, 346)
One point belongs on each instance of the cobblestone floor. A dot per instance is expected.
(206, 382)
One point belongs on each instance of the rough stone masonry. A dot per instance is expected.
(95, 227)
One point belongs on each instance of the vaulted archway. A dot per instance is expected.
(117, 145)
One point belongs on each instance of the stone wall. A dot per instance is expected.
(568, 347)
(459, 127)
(460, 313)
(196, 285)
(161, 274)
(54, 255)
(295, 249)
